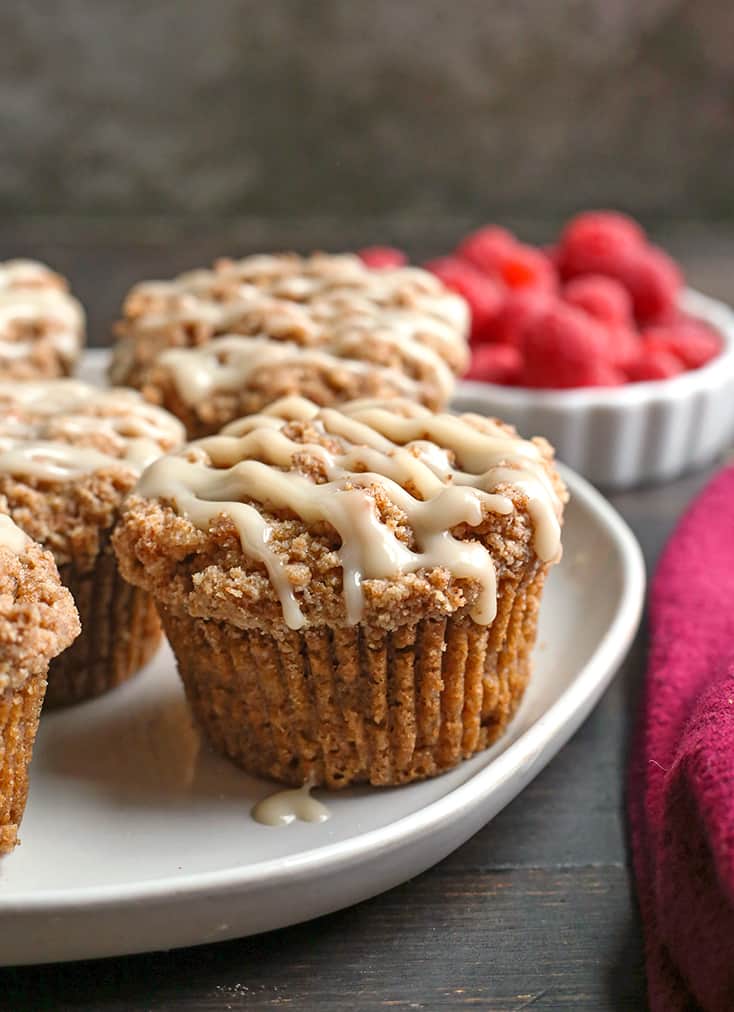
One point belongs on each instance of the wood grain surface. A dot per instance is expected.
(536, 911)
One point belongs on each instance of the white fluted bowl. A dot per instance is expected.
(618, 437)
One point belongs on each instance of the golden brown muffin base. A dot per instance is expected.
(341, 706)
(19, 713)
(120, 633)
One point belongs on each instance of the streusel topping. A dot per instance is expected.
(41, 324)
(232, 376)
(60, 429)
(38, 618)
(69, 452)
(312, 301)
(401, 488)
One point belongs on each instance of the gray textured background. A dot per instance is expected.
(366, 109)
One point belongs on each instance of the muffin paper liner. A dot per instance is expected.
(120, 633)
(19, 713)
(339, 706)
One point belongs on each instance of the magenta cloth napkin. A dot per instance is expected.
(681, 786)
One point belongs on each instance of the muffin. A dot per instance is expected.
(209, 386)
(37, 621)
(69, 453)
(351, 593)
(41, 325)
(401, 319)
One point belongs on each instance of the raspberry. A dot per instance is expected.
(654, 363)
(526, 267)
(602, 242)
(654, 281)
(563, 347)
(520, 307)
(603, 298)
(496, 252)
(485, 247)
(598, 242)
(689, 340)
(382, 256)
(484, 295)
(603, 374)
(623, 345)
(495, 363)
(551, 251)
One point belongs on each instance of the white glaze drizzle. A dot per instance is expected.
(304, 279)
(227, 363)
(32, 295)
(47, 429)
(11, 536)
(252, 459)
(311, 300)
(284, 807)
(23, 273)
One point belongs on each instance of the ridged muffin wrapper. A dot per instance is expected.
(19, 713)
(120, 633)
(345, 705)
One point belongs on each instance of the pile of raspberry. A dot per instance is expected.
(600, 308)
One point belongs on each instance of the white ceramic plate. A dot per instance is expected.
(136, 838)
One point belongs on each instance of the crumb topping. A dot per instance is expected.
(41, 324)
(209, 386)
(315, 301)
(330, 512)
(69, 452)
(38, 618)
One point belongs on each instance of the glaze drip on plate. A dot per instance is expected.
(441, 472)
(285, 807)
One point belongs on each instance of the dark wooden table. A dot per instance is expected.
(537, 910)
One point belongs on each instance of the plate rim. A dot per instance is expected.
(579, 697)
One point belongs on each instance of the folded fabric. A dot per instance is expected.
(681, 784)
